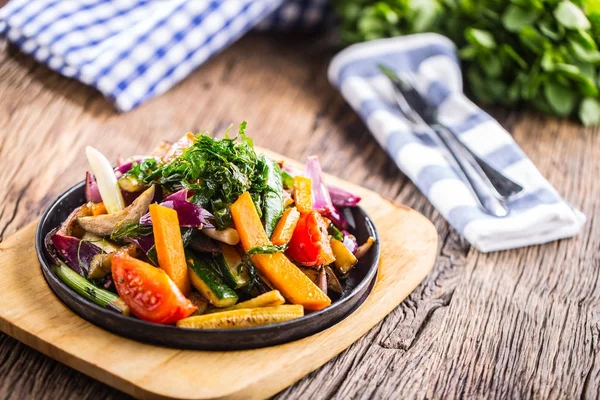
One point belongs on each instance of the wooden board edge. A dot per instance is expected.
(267, 386)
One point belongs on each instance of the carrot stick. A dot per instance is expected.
(98, 209)
(303, 193)
(285, 227)
(169, 246)
(296, 287)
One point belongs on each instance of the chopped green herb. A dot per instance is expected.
(335, 232)
(130, 230)
(254, 281)
(215, 169)
(218, 171)
(187, 235)
(222, 214)
(142, 171)
(152, 255)
(288, 180)
(267, 249)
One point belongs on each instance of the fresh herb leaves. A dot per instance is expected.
(130, 230)
(142, 171)
(215, 169)
(254, 281)
(267, 249)
(222, 214)
(218, 171)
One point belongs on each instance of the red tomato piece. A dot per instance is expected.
(148, 291)
(310, 242)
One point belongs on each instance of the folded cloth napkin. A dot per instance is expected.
(134, 50)
(537, 215)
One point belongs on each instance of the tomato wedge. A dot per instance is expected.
(148, 291)
(310, 242)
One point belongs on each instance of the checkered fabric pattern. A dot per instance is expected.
(304, 15)
(134, 50)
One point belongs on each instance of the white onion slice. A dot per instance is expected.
(107, 181)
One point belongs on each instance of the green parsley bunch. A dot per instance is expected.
(539, 52)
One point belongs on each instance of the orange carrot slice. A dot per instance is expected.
(169, 246)
(303, 193)
(296, 287)
(285, 227)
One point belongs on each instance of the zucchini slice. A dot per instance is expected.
(228, 263)
(245, 318)
(273, 198)
(269, 299)
(208, 282)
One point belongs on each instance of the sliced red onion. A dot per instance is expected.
(181, 195)
(91, 189)
(341, 197)
(321, 200)
(350, 241)
(323, 195)
(190, 215)
(336, 217)
(76, 253)
(123, 168)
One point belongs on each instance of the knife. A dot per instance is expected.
(490, 186)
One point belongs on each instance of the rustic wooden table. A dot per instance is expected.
(522, 323)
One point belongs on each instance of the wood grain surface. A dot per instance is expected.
(522, 323)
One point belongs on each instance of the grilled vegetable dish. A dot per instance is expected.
(206, 233)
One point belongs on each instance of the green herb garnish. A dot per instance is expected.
(142, 171)
(222, 214)
(288, 180)
(335, 232)
(267, 249)
(254, 280)
(130, 230)
(152, 255)
(218, 171)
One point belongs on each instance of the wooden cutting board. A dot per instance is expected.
(31, 313)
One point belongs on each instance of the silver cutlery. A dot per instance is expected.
(491, 188)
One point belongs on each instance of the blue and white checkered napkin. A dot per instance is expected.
(538, 215)
(134, 50)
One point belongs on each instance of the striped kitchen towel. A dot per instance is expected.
(538, 215)
(134, 50)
